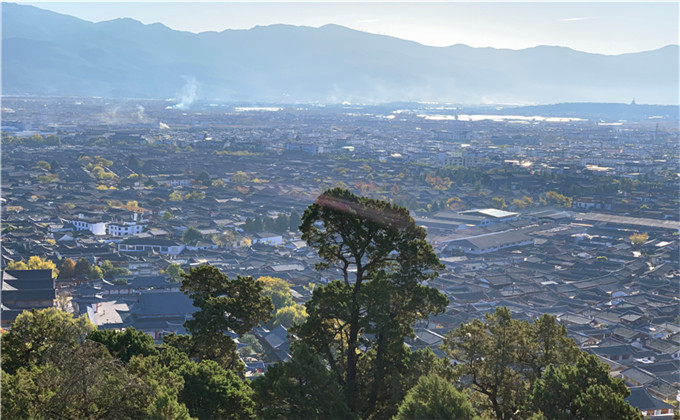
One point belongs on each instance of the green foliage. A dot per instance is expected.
(381, 295)
(167, 215)
(101, 173)
(191, 236)
(584, 390)
(218, 183)
(176, 196)
(95, 273)
(109, 271)
(503, 357)
(290, 315)
(240, 178)
(216, 347)
(203, 178)
(252, 343)
(224, 306)
(211, 392)
(278, 291)
(165, 407)
(46, 179)
(553, 197)
(74, 382)
(383, 386)
(498, 203)
(82, 268)
(35, 333)
(33, 141)
(174, 272)
(435, 398)
(194, 196)
(125, 345)
(300, 389)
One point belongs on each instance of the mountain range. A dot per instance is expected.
(46, 53)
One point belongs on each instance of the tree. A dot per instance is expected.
(258, 225)
(553, 197)
(43, 165)
(165, 407)
(195, 196)
(240, 178)
(167, 215)
(294, 221)
(300, 389)
(211, 392)
(174, 272)
(176, 196)
(498, 203)
(638, 239)
(80, 382)
(383, 257)
(252, 343)
(191, 236)
(95, 273)
(34, 263)
(224, 306)
(502, 357)
(35, 333)
(203, 178)
(290, 315)
(133, 163)
(82, 268)
(281, 223)
(109, 271)
(218, 183)
(278, 290)
(124, 345)
(584, 390)
(435, 398)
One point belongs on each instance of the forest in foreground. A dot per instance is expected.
(348, 359)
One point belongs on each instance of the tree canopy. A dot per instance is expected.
(383, 258)
(509, 362)
(34, 263)
(435, 398)
(225, 306)
(300, 389)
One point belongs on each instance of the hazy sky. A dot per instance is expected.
(607, 28)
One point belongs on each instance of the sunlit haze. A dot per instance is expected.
(606, 28)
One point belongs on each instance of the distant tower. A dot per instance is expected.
(656, 132)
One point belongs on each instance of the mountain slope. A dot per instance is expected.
(48, 53)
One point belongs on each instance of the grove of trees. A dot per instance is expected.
(348, 357)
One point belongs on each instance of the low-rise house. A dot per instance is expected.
(25, 290)
(492, 242)
(124, 228)
(649, 405)
(268, 238)
(161, 246)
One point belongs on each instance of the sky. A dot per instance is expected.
(602, 27)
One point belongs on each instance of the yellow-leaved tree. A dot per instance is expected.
(34, 263)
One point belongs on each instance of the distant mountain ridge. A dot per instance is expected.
(46, 53)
